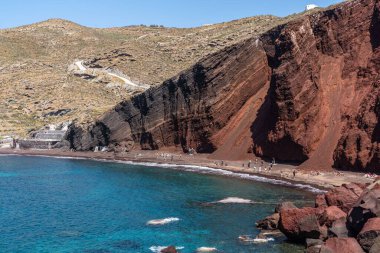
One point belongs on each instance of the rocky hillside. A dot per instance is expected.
(306, 91)
(38, 76)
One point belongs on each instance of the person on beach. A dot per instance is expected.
(294, 173)
(249, 164)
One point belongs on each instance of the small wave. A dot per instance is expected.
(249, 239)
(164, 221)
(206, 249)
(262, 240)
(235, 200)
(157, 249)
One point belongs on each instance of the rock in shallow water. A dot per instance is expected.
(170, 249)
(270, 222)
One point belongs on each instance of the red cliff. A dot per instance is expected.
(307, 91)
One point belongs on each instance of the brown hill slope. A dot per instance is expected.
(320, 77)
(35, 63)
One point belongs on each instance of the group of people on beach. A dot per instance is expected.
(256, 166)
(370, 175)
(167, 156)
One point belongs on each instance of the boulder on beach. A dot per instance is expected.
(330, 214)
(340, 245)
(313, 245)
(170, 249)
(284, 205)
(300, 223)
(369, 233)
(320, 200)
(338, 228)
(366, 207)
(376, 245)
(344, 196)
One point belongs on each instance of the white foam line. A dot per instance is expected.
(196, 169)
(209, 170)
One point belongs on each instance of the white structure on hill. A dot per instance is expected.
(310, 7)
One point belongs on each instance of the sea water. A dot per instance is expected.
(70, 205)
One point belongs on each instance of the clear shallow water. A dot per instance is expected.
(62, 205)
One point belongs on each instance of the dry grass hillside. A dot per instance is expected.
(38, 86)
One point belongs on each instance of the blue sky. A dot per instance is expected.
(171, 13)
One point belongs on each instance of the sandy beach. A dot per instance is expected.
(322, 180)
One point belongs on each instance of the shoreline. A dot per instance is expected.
(281, 174)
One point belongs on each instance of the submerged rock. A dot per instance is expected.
(170, 249)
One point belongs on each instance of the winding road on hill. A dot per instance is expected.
(126, 81)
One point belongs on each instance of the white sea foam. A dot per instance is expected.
(235, 200)
(206, 249)
(262, 240)
(209, 170)
(202, 170)
(164, 221)
(157, 249)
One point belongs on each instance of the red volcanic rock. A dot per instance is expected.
(284, 205)
(306, 91)
(366, 207)
(340, 245)
(170, 249)
(300, 223)
(270, 222)
(331, 214)
(369, 233)
(320, 200)
(338, 228)
(344, 196)
(376, 246)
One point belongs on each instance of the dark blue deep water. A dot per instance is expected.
(63, 205)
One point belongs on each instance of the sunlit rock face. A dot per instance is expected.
(306, 91)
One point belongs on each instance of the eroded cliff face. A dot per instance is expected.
(323, 89)
(307, 91)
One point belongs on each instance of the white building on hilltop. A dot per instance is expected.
(310, 7)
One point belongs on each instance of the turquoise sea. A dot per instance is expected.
(70, 205)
